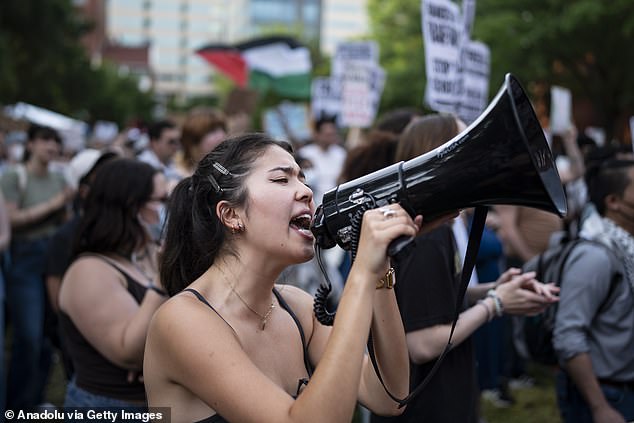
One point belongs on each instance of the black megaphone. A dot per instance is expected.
(501, 158)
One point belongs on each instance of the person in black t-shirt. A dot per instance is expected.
(428, 284)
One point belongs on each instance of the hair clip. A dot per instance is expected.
(214, 183)
(220, 168)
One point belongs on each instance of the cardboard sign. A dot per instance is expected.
(358, 52)
(361, 88)
(474, 96)
(442, 33)
(356, 96)
(468, 16)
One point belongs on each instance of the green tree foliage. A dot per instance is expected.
(396, 26)
(584, 45)
(42, 62)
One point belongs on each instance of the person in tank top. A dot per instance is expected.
(230, 345)
(111, 290)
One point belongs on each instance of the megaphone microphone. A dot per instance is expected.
(501, 158)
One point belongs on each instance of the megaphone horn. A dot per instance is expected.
(501, 158)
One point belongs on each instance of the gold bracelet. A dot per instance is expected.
(386, 281)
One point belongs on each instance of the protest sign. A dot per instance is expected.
(474, 94)
(442, 33)
(364, 52)
(325, 98)
(357, 108)
(468, 16)
(356, 73)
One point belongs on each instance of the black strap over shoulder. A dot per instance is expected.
(203, 300)
(285, 306)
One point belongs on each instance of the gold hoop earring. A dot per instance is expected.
(237, 229)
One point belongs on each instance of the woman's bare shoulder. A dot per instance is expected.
(294, 295)
(184, 313)
(300, 302)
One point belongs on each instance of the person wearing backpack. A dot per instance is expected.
(594, 326)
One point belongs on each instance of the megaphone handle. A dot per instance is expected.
(398, 245)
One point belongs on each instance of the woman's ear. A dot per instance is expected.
(227, 215)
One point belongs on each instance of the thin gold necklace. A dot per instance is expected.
(264, 319)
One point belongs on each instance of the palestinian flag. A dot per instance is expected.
(276, 63)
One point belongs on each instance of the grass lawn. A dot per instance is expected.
(536, 404)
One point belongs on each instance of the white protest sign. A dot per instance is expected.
(468, 16)
(365, 52)
(355, 67)
(325, 97)
(357, 98)
(476, 64)
(442, 33)
(560, 110)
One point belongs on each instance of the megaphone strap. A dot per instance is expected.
(475, 236)
(327, 318)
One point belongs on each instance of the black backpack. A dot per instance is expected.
(532, 335)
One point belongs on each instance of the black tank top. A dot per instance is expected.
(217, 418)
(94, 372)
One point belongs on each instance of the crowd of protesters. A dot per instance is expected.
(156, 275)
